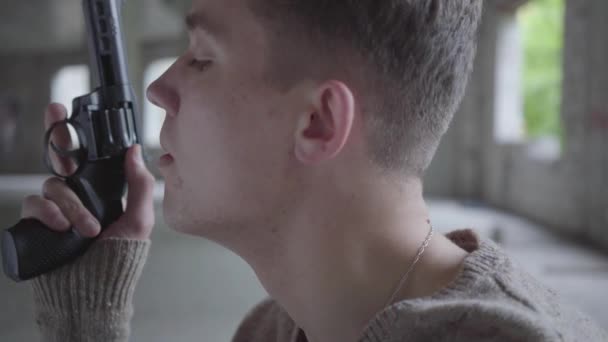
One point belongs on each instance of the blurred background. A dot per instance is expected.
(525, 162)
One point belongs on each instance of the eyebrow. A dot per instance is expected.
(199, 20)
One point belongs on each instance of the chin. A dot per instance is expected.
(171, 217)
(180, 220)
(178, 225)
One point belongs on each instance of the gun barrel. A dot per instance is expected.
(103, 22)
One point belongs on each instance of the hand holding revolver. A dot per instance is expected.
(60, 209)
(94, 154)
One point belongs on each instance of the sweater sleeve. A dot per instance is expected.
(91, 299)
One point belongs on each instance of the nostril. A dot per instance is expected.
(161, 94)
(171, 103)
(152, 93)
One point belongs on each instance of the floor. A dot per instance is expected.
(194, 290)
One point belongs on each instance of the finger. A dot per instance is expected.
(61, 138)
(46, 212)
(140, 197)
(70, 205)
(54, 112)
(139, 213)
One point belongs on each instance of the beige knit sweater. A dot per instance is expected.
(493, 299)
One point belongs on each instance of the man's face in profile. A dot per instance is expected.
(228, 131)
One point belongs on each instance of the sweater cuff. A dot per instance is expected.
(93, 293)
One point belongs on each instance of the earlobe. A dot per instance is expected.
(323, 131)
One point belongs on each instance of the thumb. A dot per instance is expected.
(138, 220)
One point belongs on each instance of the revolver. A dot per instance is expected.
(91, 145)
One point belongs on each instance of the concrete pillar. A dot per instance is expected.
(456, 170)
(469, 164)
(585, 109)
(27, 80)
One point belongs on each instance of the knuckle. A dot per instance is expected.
(29, 204)
(140, 225)
(149, 178)
(149, 222)
(43, 210)
(51, 185)
(135, 225)
(138, 228)
(47, 208)
(56, 218)
(145, 178)
(69, 207)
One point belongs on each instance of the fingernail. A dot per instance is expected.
(91, 227)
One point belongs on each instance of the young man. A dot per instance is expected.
(297, 135)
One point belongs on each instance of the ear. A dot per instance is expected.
(324, 129)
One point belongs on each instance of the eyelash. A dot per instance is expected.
(199, 65)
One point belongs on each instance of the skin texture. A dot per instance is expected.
(280, 177)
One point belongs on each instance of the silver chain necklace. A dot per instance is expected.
(406, 275)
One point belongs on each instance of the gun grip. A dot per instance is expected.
(30, 249)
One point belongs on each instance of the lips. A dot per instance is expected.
(165, 159)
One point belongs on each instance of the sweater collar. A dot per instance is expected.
(484, 256)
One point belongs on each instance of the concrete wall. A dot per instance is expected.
(569, 193)
(28, 79)
(585, 110)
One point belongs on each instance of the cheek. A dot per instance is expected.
(208, 147)
(231, 158)
(232, 147)
(203, 144)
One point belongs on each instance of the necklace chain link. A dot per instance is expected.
(406, 275)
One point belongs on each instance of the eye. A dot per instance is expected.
(199, 65)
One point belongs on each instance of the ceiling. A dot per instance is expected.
(48, 25)
(28, 26)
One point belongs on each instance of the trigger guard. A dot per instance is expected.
(79, 155)
(63, 153)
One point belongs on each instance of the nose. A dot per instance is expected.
(163, 94)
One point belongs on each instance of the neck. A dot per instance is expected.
(345, 252)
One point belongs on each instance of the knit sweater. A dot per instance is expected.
(492, 299)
